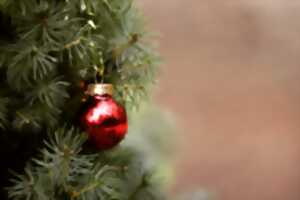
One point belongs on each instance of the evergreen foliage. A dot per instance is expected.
(47, 47)
(62, 172)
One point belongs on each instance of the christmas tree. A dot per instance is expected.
(61, 126)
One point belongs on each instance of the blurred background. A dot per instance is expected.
(232, 77)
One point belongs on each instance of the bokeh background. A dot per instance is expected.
(232, 77)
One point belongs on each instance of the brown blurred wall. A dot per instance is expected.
(232, 77)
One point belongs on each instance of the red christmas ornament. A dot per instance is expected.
(104, 120)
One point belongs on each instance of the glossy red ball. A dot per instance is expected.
(105, 121)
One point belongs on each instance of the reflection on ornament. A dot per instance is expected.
(101, 109)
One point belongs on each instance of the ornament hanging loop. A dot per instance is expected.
(99, 74)
(99, 69)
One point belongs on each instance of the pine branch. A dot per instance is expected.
(50, 92)
(56, 167)
(29, 64)
(62, 170)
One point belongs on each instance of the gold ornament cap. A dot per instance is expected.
(99, 89)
